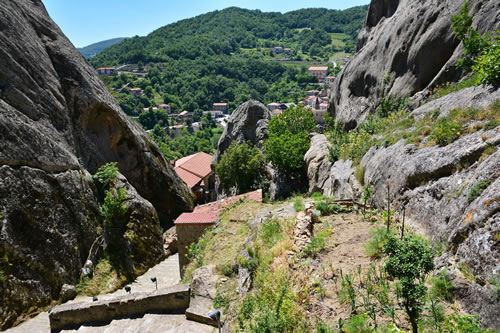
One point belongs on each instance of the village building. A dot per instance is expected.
(196, 171)
(165, 107)
(329, 80)
(323, 106)
(191, 226)
(214, 114)
(277, 112)
(176, 130)
(320, 72)
(219, 107)
(136, 91)
(273, 106)
(106, 71)
(185, 116)
(278, 49)
(312, 92)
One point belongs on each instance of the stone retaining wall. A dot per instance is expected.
(174, 299)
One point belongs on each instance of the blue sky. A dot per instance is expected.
(89, 21)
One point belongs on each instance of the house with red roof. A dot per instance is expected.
(196, 171)
(219, 107)
(320, 72)
(191, 226)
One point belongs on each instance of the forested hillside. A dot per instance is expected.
(92, 50)
(227, 56)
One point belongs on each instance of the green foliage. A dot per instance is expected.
(482, 52)
(326, 208)
(347, 293)
(148, 119)
(106, 174)
(378, 239)
(317, 196)
(410, 259)
(241, 166)
(104, 279)
(270, 232)
(445, 132)
(491, 124)
(298, 204)
(477, 189)
(289, 139)
(441, 287)
(462, 324)
(222, 56)
(390, 104)
(359, 173)
(114, 206)
(357, 324)
(487, 65)
(448, 87)
(317, 244)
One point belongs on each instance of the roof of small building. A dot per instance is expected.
(193, 168)
(184, 113)
(318, 68)
(220, 104)
(209, 213)
(197, 218)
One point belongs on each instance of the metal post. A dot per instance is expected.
(403, 227)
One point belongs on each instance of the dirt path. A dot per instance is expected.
(167, 274)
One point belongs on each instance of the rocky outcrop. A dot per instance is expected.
(434, 185)
(331, 179)
(247, 123)
(58, 124)
(405, 47)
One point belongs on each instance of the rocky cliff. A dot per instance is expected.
(58, 124)
(405, 47)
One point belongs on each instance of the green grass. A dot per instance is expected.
(448, 87)
(104, 279)
(441, 287)
(270, 232)
(478, 188)
(317, 244)
(378, 238)
(298, 204)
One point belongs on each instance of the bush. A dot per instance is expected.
(462, 324)
(241, 166)
(270, 232)
(298, 204)
(445, 132)
(289, 139)
(487, 65)
(477, 189)
(106, 174)
(317, 243)
(410, 260)
(375, 245)
(441, 286)
(327, 208)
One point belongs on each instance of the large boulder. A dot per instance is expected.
(331, 179)
(247, 123)
(58, 124)
(405, 47)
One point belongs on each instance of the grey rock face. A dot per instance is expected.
(58, 123)
(434, 185)
(474, 97)
(411, 45)
(247, 123)
(331, 179)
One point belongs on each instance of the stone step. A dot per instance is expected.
(198, 310)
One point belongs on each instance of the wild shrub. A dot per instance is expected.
(298, 204)
(326, 208)
(106, 174)
(445, 132)
(375, 245)
(410, 260)
(441, 287)
(317, 243)
(358, 324)
(462, 324)
(270, 232)
(477, 189)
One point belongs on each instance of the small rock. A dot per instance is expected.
(68, 292)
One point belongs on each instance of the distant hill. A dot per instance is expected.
(228, 56)
(96, 48)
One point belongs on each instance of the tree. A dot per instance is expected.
(410, 259)
(241, 166)
(289, 139)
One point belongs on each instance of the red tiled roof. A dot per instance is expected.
(318, 68)
(198, 164)
(217, 206)
(189, 178)
(197, 218)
